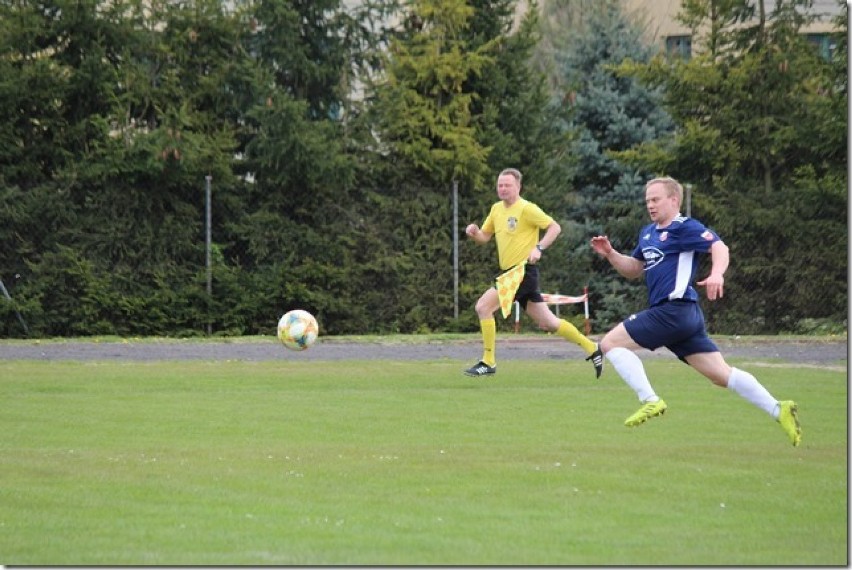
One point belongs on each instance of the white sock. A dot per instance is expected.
(749, 388)
(630, 368)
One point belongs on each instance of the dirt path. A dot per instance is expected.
(813, 353)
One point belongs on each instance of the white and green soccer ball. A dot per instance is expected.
(298, 329)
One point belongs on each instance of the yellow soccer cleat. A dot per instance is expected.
(788, 417)
(646, 412)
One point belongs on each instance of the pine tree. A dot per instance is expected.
(459, 102)
(141, 102)
(423, 111)
(759, 136)
(609, 114)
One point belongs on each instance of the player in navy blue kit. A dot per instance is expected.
(667, 256)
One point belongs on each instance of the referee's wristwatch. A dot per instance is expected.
(538, 247)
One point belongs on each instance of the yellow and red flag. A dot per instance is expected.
(507, 286)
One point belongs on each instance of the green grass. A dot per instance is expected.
(411, 463)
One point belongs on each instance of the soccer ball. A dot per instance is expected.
(298, 329)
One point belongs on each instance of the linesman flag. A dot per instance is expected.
(507, 286)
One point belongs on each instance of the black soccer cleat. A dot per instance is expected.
(481, 369)
(597, 359)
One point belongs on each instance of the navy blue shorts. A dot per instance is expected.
(677, 325)
(528, 290)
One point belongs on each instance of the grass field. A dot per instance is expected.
(411, 463)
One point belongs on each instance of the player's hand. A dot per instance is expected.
(601, 245)
(471, 230)
(715, 285)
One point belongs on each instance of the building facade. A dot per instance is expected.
(663, 29)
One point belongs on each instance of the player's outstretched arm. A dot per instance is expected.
(627, 266)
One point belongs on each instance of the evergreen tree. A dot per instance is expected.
(459, 102)
(296, 242)
(138, 98)
(420, 112)
(525, 129)
(609, 113)
(759, 137)
(423, 113)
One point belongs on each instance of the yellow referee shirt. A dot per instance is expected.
(516, 229)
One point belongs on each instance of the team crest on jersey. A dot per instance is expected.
(513, 223)
(664, 236)
(653, 256)
(707, 235)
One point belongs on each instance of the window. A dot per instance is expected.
(679, 46)
(824, 44)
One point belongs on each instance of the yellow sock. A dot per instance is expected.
(489, 341)
(570, 333)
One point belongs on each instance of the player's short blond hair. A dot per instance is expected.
(672, 186)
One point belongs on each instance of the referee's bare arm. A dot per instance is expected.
(476, 234)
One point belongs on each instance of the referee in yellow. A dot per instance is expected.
(517, 224)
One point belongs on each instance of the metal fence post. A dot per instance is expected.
(17, 313)
(688, 198)
(455, 249)
(208, 207)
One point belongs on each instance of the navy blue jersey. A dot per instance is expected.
(670, 258)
